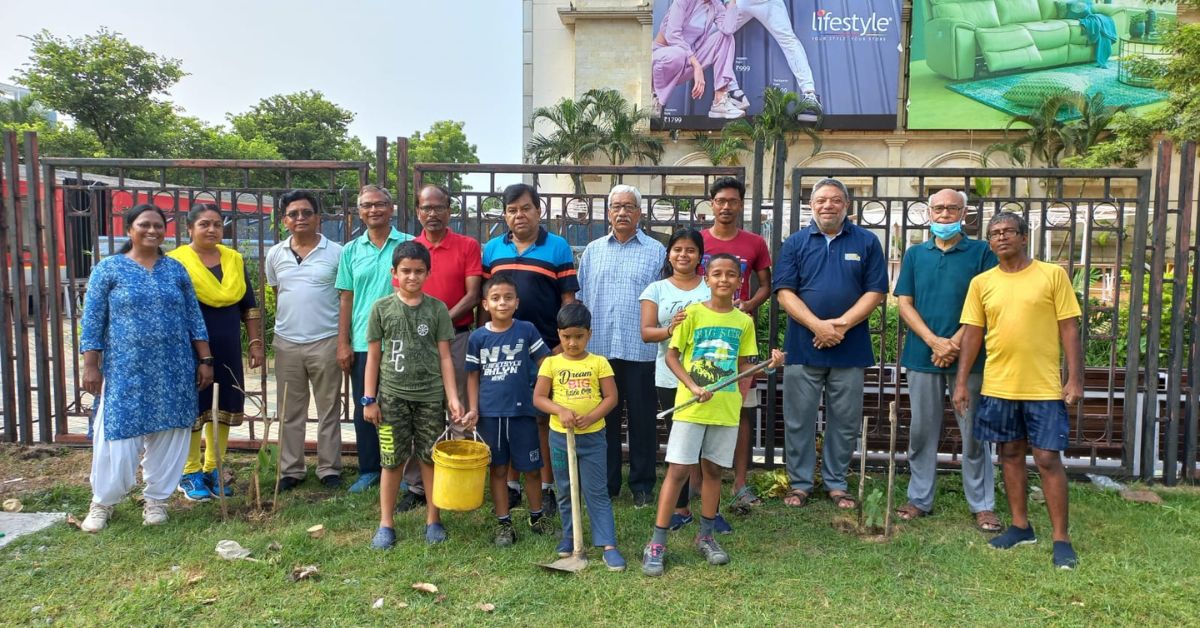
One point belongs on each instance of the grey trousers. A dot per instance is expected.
(928, 394)
(458, 353)
(299, 365)
(802, 387)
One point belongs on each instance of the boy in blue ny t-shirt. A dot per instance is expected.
(502, 364)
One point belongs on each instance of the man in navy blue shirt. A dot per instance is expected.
(828, 279)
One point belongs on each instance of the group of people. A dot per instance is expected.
(558, 351)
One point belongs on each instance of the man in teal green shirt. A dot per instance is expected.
(364, 276)
(932, 286)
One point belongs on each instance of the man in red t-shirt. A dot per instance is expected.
(728, 201)
(455, 276)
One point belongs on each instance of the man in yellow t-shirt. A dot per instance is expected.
(1031, 317)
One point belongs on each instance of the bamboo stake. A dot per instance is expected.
(862, 471)
(887, 517)
(279, 447)
(216, 437)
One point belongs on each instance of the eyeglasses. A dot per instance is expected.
(939, 209)
(1003, 234)
(725, 202)
(376, 205)
(627, 208)
(432, 209)
(296, 213)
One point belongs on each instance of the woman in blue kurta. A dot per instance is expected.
(226, 301)
(145, 353)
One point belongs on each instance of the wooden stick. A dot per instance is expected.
(887, 516)
(717, 385)
(279, 447)
(216, 438)
(266, 438)
(862, 471)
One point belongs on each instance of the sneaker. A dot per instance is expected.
(287, 484)
(332, 481)
(410, 501)
(194, 487)
(711, 551)
(505, 535)
(1064, 555)
(566, 547)
(549, 502)
(213, 487)
(678, 521)
(810, 107)
(543, 526)
(614, 560)
(364, 482)
(435, 533)
(738, 99)
(154, 513)
(514, 498)
(725, 109)
(653, 559)
(97, 518)
(641, 499)
(1013, 537)
(721, 525)
(385, 538)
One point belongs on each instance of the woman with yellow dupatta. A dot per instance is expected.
(226, 302)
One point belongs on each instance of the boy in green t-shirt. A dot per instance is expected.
(715, 340)
(415, 384)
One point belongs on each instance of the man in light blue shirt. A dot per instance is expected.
(364, 276)
(613, 272)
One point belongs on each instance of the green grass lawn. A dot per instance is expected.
(1138, 566)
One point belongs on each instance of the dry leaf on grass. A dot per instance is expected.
(378, 604)
(401, 604)
(426, 587)
(486, 607)
(232, 550)
(13, 505)
(303, 573)
(274, 546)
(440, 598)
(316, 531)
(208, 601)
(194, 579)
(73, 522)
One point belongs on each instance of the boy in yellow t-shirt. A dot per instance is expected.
(714, 341)
(577, 390)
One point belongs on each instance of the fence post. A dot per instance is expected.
(8, 203)
(38, 284)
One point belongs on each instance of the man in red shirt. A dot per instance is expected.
(455, 276)
(728, 201)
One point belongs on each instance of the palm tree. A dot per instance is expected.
(722, 151)
(20, 111)
(574, 140)
(1092, 126)
(777, 126)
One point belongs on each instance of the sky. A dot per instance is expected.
(398, 66)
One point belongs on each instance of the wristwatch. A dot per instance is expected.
(207, 360)
(366, 401)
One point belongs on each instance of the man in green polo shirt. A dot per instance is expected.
(364, 276)
(934, 278)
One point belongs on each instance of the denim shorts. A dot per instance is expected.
(512, 439)
(1043, 423)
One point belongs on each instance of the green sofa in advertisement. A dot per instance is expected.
(966, 38)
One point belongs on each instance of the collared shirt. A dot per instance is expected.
(830, 277)
(452, 260)
(366, 270)
(543, 273)
(612, 276)
(937, 281)
(306, 305)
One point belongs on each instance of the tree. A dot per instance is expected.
(775, 128)
(601, 121)
(303, 125)
(444, 143)
(18, 113)
(107, 84)
(722, 151)
(1049, 138)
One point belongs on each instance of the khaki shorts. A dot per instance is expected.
(689, 442)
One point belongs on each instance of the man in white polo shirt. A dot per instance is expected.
(302, 270)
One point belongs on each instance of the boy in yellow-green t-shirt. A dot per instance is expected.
(577, 390)
(715, 341)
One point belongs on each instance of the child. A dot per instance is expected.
(502, 361)
(714, 341)
(415, 386)
(577, 390)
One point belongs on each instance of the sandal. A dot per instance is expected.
(841, 498)
(745, 497)
(795, 498)
(909, 511)
(987, 521)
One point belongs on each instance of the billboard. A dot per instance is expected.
(975, 65)
(711, 60)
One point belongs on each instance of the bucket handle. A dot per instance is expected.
(446, 436)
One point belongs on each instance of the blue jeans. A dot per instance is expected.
(591, 450)
(366, 436)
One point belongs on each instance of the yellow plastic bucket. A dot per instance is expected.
(459, 473)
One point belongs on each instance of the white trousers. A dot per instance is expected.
(773, 15)
(115, 462)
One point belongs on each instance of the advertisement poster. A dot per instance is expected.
(975, 65)
(842, 54)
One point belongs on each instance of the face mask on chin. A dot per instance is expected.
(945, 231)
